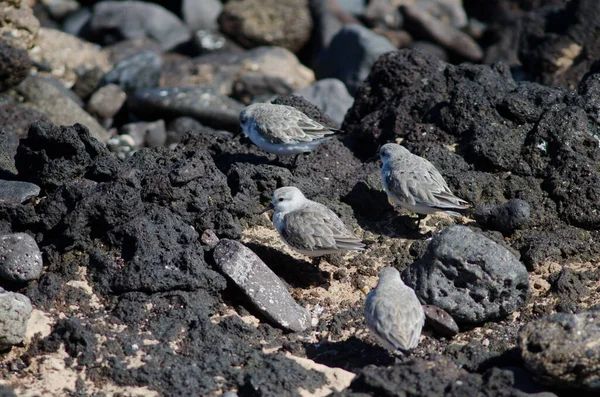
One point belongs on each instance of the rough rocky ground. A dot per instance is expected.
(130, 301)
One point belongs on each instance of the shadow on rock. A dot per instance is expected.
(375, 214)
(351, 354)
(295, 272)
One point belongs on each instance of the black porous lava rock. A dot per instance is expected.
(298, 102)
(440, 377)
(224, 349)
(562, 349)
(542, 136)
(469, 276)
(570, 288)
(51, 156)
(253, 185)
(558, 44)
(264, 289)
(504, 218)
(14, 66)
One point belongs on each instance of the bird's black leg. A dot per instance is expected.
(296, 160)
(421, 217)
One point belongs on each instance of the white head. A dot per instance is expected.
(246, 116)
(389, 275)
(287, 199)
(392, 151)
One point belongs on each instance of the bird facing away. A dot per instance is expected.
(309, 227)
(282, 130)
(393, 313)
(415, 184)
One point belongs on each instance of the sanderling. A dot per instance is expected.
(393, 313)
(309, 227)
(415, 184)
(282, 130)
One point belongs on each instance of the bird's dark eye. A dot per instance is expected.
(281, 199)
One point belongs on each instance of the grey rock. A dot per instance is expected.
(209, 238)
(350, 55)
(147, 134)
(258, 87)
(450, 12)
(207, 41)
(59, 9)
(138, 71)
(430, 48)
(281, 23)
(562, 349)
(8, 149)
(331, 96)
(17, 192)
(121, 20)
(59, 108)
(206, 105)
(14, 66)
(20, 258)
(201, 14)
(384, 14)
(75, 22)
(422, 25)
(87, 81)
(15, 310)
(506, 217)
(354, 7)
(442, 323)
(327, 25)
(266, 291)
(105, 103)
(469, 276)
(178, 127)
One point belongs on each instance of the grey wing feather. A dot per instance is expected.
(392, 321)
(422, 184)
(285, 124)
(314, 229)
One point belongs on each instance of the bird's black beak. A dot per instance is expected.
(269, 207)
(238, 132)
(373, 158)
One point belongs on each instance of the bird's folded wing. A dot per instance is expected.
(389, 322)
(294, 127)
(423, 186)
(314, 230)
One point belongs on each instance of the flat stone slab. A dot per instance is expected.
(16, 192)
(264, 288)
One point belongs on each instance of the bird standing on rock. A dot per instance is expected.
(309, 227)
(393, 313)
(282, 130)
(415, 184)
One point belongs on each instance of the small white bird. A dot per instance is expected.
(309, 227)
(415, 184)
(282, 130)
(393, 313)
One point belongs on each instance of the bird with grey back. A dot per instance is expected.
(282, 130)
(393, 313)
(310, 227)
(415, 184)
